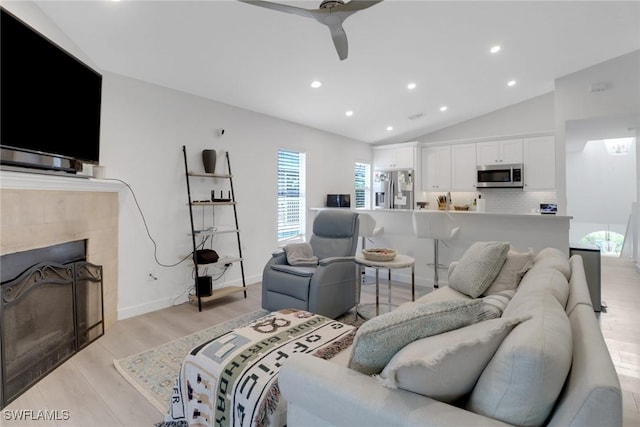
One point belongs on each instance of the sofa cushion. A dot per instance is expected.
(478, 267)
(554, 258)
(515, 266)
(381, 337)
(494, 305)
(548, 279)
(445, 367)
(526, 374)
(578, 292)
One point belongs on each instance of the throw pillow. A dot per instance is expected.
(494, 305)
(478, 267)
(445, 367)
(515, 266)
(380, 338)
(300, 254)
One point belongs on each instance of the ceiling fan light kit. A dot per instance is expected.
(331, 13)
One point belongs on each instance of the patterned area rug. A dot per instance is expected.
(153, 372)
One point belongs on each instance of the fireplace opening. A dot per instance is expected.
(50, 308)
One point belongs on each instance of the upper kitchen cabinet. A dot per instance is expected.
(540, 163)
(436, 168)
(506, 151)
(463, 167)
(393, 158)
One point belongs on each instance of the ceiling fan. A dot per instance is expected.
(331, 13)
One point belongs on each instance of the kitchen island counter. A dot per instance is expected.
(525, 231)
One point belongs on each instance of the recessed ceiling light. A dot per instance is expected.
(316, 84)
(349, 113)
(389, 128)
(411, 86)
(495, 49)
(443, 108)
(511, 83)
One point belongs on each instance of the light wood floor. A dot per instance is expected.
(95, 394)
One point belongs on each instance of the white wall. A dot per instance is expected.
(600, 189)
(143, 129)
(533, 116)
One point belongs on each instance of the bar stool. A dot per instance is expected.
(367, 230)
(436, 225)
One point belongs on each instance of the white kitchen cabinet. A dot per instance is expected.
(463, 167)
(394, 158)
(436, 168)
(539, 163)
(506, 151)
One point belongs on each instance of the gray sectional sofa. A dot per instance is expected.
(551, 367)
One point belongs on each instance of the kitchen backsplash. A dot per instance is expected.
(502, 200)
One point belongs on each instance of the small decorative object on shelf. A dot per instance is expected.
(209, 160)
(461, 208)
(379, 254)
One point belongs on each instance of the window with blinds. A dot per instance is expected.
(291, 195)
(362, 184)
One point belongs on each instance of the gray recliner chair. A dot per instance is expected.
(327, 288)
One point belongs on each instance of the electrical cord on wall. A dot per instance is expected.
(146, 227)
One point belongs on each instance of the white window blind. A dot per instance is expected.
(291, 195)
(362, 184)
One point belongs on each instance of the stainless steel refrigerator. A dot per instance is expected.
(393, 189)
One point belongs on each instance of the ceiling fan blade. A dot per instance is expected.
(281, 8)
(339, 38)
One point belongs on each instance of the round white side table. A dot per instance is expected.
(400, 261)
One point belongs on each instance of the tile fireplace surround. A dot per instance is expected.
(41, 210)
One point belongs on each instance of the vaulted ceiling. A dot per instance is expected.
(265, 61)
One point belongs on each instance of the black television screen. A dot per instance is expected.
(49, 100)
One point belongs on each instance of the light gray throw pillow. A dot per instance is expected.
(478, 267)
(514, 268)
(445, 367)
(381, 337)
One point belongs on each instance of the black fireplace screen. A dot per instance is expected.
(47, 313)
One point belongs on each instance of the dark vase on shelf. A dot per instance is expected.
(209, 160)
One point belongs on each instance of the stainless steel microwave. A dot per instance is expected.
(500, 176)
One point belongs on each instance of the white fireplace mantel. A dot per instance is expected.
(48, 181)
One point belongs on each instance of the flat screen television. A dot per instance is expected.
(49, 102)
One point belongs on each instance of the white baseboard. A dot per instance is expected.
(146, 307)
(159, 304)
